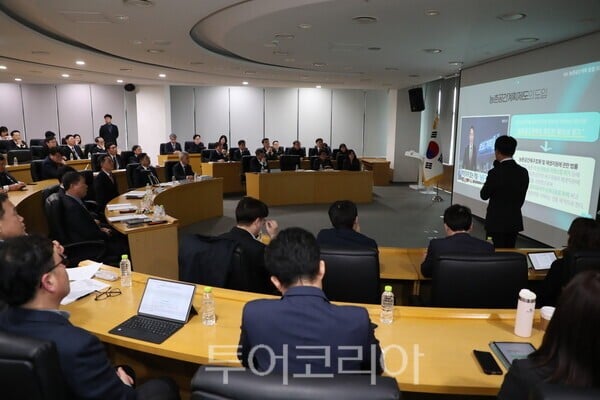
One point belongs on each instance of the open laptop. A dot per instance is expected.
(165, 307)
(541, 260)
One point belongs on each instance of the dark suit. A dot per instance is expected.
(521, 378)
(196, 148)
(470, 163)
(257, 166)
(142, 176)
(12, 145)
(505, 187)
(7, 179)
(105, 189)
(50, 169)
(95, 149)
(317, 163)
(170, 148)
(270, 154)
(304, 317)
(109, 133)
(76, 152)
(462, 243)
(297, 152)
(238, 154)
(348, 165)
(181, 172)
(344, 237)
(118, 162)
(253, 254)
(216, 156)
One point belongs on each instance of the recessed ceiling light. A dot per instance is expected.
(162, 42)
(139, 3)
(319, 64)
(121, 18)
(284, 36)
(155, 51)
(305, 26)
(364, 19)
(528, 40)
(80, 62)
(162, 75)
(2, 66)
(119, 80)
(432, 13)
(18, 79)
(40, 52)
(250, 72)
(457, 63)
(318, 86)
(511, 16)
(432, 51)
(374, 48)
(65, 75)
(245, 83)
(125, 69)
(280, 53)
(136, 42)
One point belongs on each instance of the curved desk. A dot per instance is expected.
(426, 349)
(30, 206)
(230, 171)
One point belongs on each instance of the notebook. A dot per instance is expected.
(507, 352)
(541, 260)
(165, 307)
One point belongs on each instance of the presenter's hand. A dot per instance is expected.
(272, 227)
(58, 247)
(126, 379)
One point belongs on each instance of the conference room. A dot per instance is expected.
(417, 93)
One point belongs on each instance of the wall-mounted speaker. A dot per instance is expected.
(416, 99)
(129, 87)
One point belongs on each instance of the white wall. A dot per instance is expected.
(182, 112)
(347, 119)
(212, 113)
(246, 116)
(153, 118)
(314, 116)
(11, 111)
(40, 110)
(281, 115)
(107, 99)
(376, 137)
(408, 132)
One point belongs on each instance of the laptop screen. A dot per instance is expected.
(167, 300)
(542, 260)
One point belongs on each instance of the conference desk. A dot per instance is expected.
(382, 174)
(310, 187)
(417, 354)
(304, 164)
(22, 172)
(30, 206)
(230, 171)
(154, 248)
(195, 161)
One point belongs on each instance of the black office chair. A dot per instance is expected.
(289, 163)
(30, 369)
(206, 153)
(65, 151)
(246, 163)
(87, 149)
(169, 170)
(339, 160)
(232, 151)
(584, 260)
(312, 152)
(90, 198)
(35, 168)
(351, 274)
(212, 146)
(187, 145)
(37, 152)
(478, 281)
(547, 391)
(208, 384)
(50, 191)
(36, 142)
(23, 156)
(126, 155)
(163, 149)
(96, 161)
(205, 259)
(4, 146)
(334, 153)
(129, 172)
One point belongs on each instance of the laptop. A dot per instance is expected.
(165, 307)
(541, 260)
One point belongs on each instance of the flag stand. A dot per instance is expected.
(437, 198)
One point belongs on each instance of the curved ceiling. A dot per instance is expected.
(273, 42)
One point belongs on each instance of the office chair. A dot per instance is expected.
(584, 260)
(208, 384)
(246, 163)
(125, 156)
(187, 145)
(35, 168)
(289, 163)
(478, 281)
(546, 391)
(129, 171)
(29, 369)
(37, 152)
(36, 142)
(212, 146)
(87, 149)
(206, 153)
(23, 156)
(96, 161)
(352, 274)
(169, 170)
(163, 149)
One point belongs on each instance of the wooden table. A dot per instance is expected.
(231, 172)
(382, 175)
(304, 164)
(310, 187)
(30, 206)
(426, 349)
(22, 172)
(195, 161)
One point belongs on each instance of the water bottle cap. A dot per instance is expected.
(388, 288)
(527, 294)
(124, 257)
(208, 289)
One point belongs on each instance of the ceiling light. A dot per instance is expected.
(511, 16)
(119, 80)
(318, 86)
(432, 13)
(528, 40)
(2, 66)
(432, 51)
(162, 75)
(319, 64)
(40, 52)
(125, 69)
(456, 63)
(284, 36)
(305, 26)
(65, 75)
(245, 83)
(139, 3)
(18, 79)
(364, 20)
(155, 51)
(80, 62)
(121, 18)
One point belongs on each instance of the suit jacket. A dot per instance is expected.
(238, 154)
(521, 378)
(344, 237)
(50, 169)
(79, 223)
(13, 146)
(196, 148)
(141, 176)
(168, 148)
(109, 133)
(180, 172)
(297, 152)
(257, 166)
(76, 152)
(82, 357)
(348, 165)
(216, 156)
(253, 253)
(470, 163)
(105, 189)
(270, 154)
(317, 163)
(462, 243)
(304, 317)
(118, 162)
(505, 187)
(7, 179)
(95, 149)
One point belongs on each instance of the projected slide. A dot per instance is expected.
(555, 118)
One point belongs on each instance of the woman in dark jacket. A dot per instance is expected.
(351, 163)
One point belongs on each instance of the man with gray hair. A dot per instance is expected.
(183, 170)
(172, 146)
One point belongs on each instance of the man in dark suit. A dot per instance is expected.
(105, 185)
(259, 163)
(108, 131)
(33, 281)
(458, 222)
(219, 155)
(75, 151)
(52, 163)
(277, 149)
(118, 162)
(321, 162)
(172, 146)
(49, 143)
(296, 149)
(242, 150)
(134, 158)
(469, 160)
(7, 181)
(251, 217)
(145, 173)
(317, 336)
(343, 215)
(183, 170)
(99, 146)
(319, 146)
(16, 143)
(197, 146)
(269, 153)
(506, 187)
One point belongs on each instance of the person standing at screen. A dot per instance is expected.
(505, 187)
(108, 131)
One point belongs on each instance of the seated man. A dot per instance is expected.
(318, 337)
(172, 146)
(277, 149)
(197, 146)
(99, 146)
(49, 143)
(75, 152)
(322, 162)
(33, 281)
(296, 149)
(343, 215)
(458, 222)
(319, 146)
(118, 162)
(250, 215)
(52, 163)
(7, 181)
(145, 173)
(16, 143)
(105, 185)
(220, 154)
(242, 150)
(269, 154)
(183, 170)
(259, 163)
(135, 157)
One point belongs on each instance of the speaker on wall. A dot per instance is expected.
(416, 99)
(129, 87)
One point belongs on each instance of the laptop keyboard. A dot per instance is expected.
(155, 326)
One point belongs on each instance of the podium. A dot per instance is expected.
(419, 186)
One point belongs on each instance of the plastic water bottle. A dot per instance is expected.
(71, 156)
(15, 161)
(89, 156)
(174, 180)
(208, 307)
(125, 266)
(387, 306)
(525, 312)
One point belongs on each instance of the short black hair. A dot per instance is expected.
(141, 156)
(135, 147)
(295, 141)
(49, 134)
(103, 158)
(24, 260)
(97, 138)
(3, 198)
(259, 152)
(248, 209)
(63, 170)
(108, 115)
(264, 139)
(109, 145)
(68, 137)
(293, 255)
(14, 131)
(195, 136)
(323, 151)
(319, 140)
(458, 217)
(275, 141)
(71, 178)
(241, 141)
(54, 150)
(506, 145)
(3, 129)
(342, 214)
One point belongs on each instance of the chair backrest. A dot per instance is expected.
(212, 145)
(169, 170)
(87, 148)
(334, 153)
(125, 155)
(546, 391)
(36, 142)
(351, 274)
(22, 156)
(289, 163)
(129, 171)
(49, 191)
(478, 281)
(89, 181)
(96, 161)
(54, 214)
(35, 167)
(246, 163)
(232, 151)
(585, 260)
(187, 144)
(65, 151)
(340, 158)
(312, 152)
(246, 277)
(208, 384)
(206, 154)
(37, 152)
(29, 369)
(163, 148)
(4, 146)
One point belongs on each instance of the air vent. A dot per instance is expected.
(364, 20)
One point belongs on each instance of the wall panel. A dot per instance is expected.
(247, 112)
(108, 99)
(314, 116)
(11, 111)
(75, 111)
(347, 119)
(281, 115)
(212, 113)
(40, 110)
